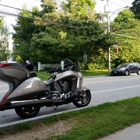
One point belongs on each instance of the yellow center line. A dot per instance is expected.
(3, 91)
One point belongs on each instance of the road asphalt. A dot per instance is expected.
(129, 133)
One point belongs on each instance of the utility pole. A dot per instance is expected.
(108, 31)
(107, 10)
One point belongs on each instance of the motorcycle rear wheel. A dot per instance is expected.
(83, 100)
(26, 112)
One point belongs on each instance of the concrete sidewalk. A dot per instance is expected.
(129, 133)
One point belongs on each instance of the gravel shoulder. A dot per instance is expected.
(41, 132)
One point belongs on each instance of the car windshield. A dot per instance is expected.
(122, 65)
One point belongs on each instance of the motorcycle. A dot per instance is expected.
(27, 93)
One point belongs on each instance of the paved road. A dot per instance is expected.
(103, 89)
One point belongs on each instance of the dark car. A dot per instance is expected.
(126, 69)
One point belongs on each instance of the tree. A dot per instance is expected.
(66, 33)
(127, 32)
(24, 29)
(79, 9)
(136, 8)
(70, 30)
(4, 51)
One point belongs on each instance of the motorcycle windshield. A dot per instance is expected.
(76, 65)
(67, 61)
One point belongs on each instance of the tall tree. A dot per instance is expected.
(4, 50)
(65, 33)
(79, 8)
(23, 33)
(136, 8)
(127, 31)
(56, 33)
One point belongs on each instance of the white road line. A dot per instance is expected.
(117, 89)
(104, 90)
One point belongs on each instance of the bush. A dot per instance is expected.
(92, 66)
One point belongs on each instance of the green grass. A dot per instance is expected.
(90, 123)
(95, 122)
(95, 72)
(44, 75)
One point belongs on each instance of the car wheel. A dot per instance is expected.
(138, 72)
(127, 73)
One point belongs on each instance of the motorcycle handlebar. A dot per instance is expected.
(66, 68)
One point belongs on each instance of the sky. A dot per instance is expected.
(100, 4)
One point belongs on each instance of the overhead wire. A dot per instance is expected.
(125, 1)
(116, 4)
(40, 20)
(14, 8)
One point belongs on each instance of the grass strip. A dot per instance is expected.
(90, 123)
(95, 72)
(99, 121)
(44, 75)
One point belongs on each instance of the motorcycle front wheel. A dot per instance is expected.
(82, 100)
(26, 112)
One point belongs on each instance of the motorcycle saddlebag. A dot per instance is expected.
(13, 74)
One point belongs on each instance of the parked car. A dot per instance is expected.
(126, 69)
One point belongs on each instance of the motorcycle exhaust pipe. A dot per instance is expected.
(34, 102)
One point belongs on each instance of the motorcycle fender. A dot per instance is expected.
(85, 88)
(31, 85)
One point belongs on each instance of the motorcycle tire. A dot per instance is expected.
(26, 112)
(82, 100)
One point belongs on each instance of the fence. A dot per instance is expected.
(42, 66)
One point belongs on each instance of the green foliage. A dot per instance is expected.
(48, 6)
(92, 66)
(23, 34)
(1, 22)
(79, 9)
(74, 31)
(73, 43)
(19, 59)
(126, 30)
(124, 16)
(4, 51)
(58, 34)
(136, 8)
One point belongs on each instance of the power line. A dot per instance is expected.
(49, 22)
(15, 15)
(116, 4)
(127, 1)
(14, 8)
